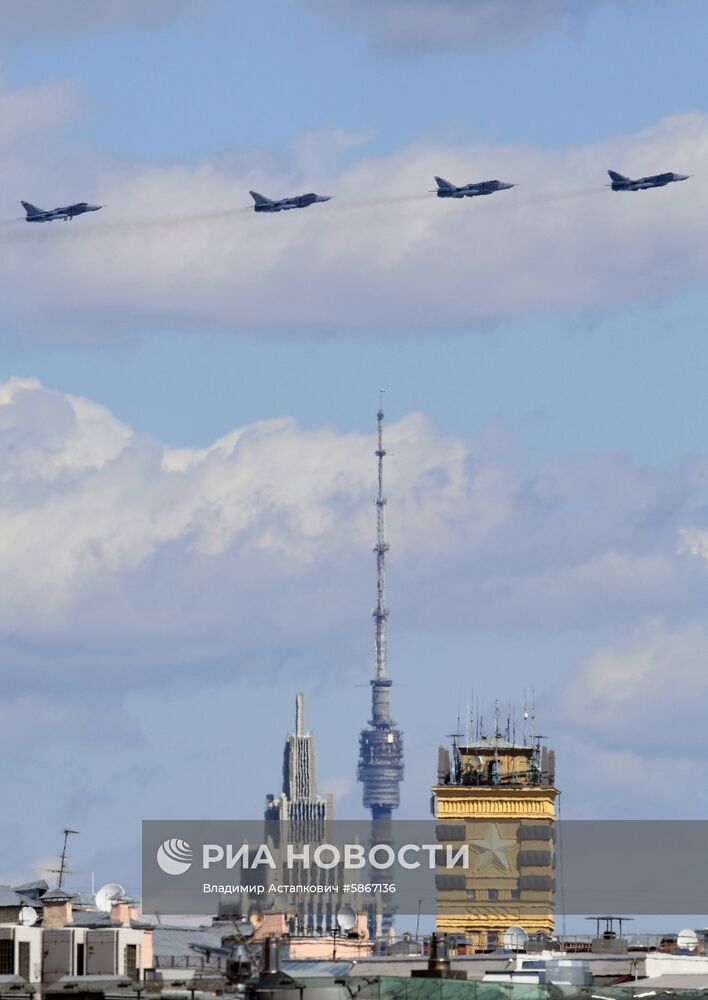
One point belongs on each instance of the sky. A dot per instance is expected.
(188, 398)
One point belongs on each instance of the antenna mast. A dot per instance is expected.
(380, 612)
(381, 744)
(62, 861)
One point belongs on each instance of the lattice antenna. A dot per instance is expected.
(380, 612)
(381, 743)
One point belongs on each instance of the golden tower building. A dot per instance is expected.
(498, 797)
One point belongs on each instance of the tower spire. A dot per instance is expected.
(380, 612)
(381, 743)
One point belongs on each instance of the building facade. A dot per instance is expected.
(298, 802)
(499, 797)
(299, 816)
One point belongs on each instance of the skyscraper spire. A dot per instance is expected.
(299, 800)
(381, 744)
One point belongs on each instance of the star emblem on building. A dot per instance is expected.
(493, 850)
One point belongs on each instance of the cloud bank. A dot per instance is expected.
(157, 602)
(112, 533)
(177, 247)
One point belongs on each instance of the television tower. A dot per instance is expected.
(381, 743)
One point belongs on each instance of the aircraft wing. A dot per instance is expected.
(33, 212)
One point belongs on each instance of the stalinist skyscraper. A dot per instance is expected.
(299, 802)
(299, 816)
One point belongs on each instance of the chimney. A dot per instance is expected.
(56, 909)
(123, 910)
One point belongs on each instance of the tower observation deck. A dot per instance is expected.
(381, 743)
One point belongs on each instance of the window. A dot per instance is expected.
(493, 894)
(80, 960)
(516, 894)
(23, 960)
(131, 960)
(471, 894)
(7, 957)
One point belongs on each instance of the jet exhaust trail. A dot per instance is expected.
(394, 199)
(129, 225)
(98, 228)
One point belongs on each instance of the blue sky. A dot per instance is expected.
(188, 452)
(200, 86)
(244, 75)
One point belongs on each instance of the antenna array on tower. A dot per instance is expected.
(381, 743)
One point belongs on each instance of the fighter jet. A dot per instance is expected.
(35, 214)
(622, 183)
(263, 204)
(448, 190)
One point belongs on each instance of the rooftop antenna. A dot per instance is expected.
(62, 870)
(62, 862)
(497, 734)
(456, 759)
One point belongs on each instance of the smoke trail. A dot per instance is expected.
(395, 199)
(548, 199)
(83, 229)
(170, 221)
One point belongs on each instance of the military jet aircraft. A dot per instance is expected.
(35, 214)
(263, 204)
(622, 183)
(447, 190)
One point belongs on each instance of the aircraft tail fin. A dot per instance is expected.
(617, 177)
(31, 210)
(260, 199)
(444, 185)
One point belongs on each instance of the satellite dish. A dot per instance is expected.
(107, 895)
(28, 916)
(474, 761)
(515, 939)
(255, 917)
(687, 940)
(346, 918)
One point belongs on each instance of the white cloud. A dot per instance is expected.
(116, 537)
(149, 591)
(40, 110)
(177, 247)
(47, 434)
(645, 694)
